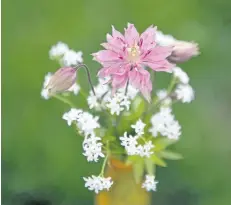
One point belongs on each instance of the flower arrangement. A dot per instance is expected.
(126, 119)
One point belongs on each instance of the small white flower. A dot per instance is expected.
(102, 88)
(92, 101)
(164, 40)
(125, 102)
(163, 97)
(87, 123)
(72, 57)
(104, 98)
(72, 115)
(184, 93)
(132, 148)
(131, 91)
(58, 50)
(128, 141)
(102, 93)
(98, 183)
(145, 150)
(107, 183)
(174, 130)
(114, 105)
(165, 124)
(139, 127)
(92, 148)
(45, 92)
(150, 183)
(181, 75)
(75, 89)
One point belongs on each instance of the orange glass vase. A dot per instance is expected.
(124, 191)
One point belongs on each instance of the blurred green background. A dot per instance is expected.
(42, 158)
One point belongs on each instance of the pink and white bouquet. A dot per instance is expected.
(126, 119)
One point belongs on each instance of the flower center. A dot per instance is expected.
(133, 53)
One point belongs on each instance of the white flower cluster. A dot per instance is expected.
(104, 98)
(163, 97)
(45, 93)
(98, 183)
(66, 56)
(150, 183)
(72, 115)
(118, 103)
(102, 90)
(131, 144)
(92, 147)
(164, 123)
(180, 75)
(184, 92)
(86, 124)
(139, 127)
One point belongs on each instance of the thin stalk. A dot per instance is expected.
(172, 84)
(126, 89)
(103, 166)
(88, 75)
(64, 100)
(105, 161)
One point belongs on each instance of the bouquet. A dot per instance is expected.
(127, 120)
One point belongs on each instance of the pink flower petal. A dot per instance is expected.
(116, 42)
(117, 34)
(119, 81)
(157, 54)
(131, 35)
(114, 69)
(106, 55)
(147, 38)
(163, 65)
(140, 79)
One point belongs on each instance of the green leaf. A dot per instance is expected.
(138, 108)
(163, 142)
(132, 159)
(138, 171)
(149, 166)
(170, 155)
(158, 161)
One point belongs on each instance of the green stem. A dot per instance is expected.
(172, 84)
(88, 75)
(104, 165)
(105, 160)
(64, 100)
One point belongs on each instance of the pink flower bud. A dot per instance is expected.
(183, 51)
(62, 80)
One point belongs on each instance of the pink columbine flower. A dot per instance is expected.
(62, 80)
(126, 56)
(183, 51)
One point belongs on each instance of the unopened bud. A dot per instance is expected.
(183, 51)
(62, 80)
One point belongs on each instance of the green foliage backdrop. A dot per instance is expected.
(42, 157)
